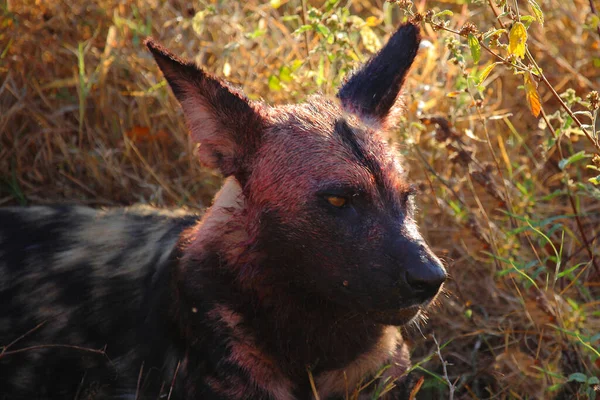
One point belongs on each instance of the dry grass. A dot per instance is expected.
(86, 118)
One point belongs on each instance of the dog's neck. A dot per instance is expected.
(292, 331)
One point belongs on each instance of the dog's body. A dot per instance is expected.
(98, 283)
(93, 280)
(297, 275)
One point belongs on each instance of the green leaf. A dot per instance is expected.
(527, 20)
(537, 11)
(577, 377)
(320, 77)
(554, 387)
(574, 158)
(475, 48)
(256, 34)
(303, 29)
(314, 14)
(568, 271)
(296, 64)
(330, 39)
(595, 180)
(370, 39)
(285, 74)
(486, 72)
(287, 18)
(445, 13)
(593, 380)
(323, 30)
(330, 4)
(274, 83)
(198, 21)
(495, 32)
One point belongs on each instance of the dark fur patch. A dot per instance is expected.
(349, 137)
(373, 89)
(58, 278)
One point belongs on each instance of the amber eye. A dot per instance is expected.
(336, 201)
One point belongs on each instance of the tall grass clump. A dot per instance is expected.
(501, 132)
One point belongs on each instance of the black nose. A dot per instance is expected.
(425, 280)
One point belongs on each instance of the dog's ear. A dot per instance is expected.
(372, 92)
(225, 123)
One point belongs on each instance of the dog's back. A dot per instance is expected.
(83, 283)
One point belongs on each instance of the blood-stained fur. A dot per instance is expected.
(299, 273)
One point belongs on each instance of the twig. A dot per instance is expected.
(312, 384)
(306, 34)
(491, 4)
(561, 101)
(137, 389)
(151, 171)
(444, 182)
(451, 387)
(508, 199)
(580, 248)
(594, 11)
(52, 346)
(572, 115)
(173, 380)
(29, 332)
(80, 386)
(548, 85)
(484, 46)
(586, 242)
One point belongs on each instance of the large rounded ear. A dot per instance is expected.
(225, 123)
(372, 92)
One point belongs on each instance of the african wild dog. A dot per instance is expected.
(308, 259)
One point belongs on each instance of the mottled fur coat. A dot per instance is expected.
(301, 270)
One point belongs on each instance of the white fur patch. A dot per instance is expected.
(337, 381)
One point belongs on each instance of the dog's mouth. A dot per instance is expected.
(397, 317)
